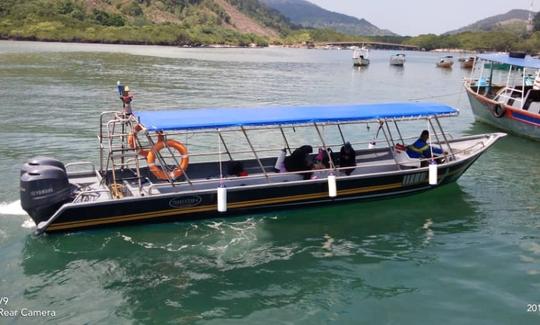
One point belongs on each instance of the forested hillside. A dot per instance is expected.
(191, 22)
(307, 14)
(516, 18)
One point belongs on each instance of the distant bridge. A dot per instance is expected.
(375, 45)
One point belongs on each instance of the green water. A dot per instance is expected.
(467, 253)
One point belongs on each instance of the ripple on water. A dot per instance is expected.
(373, 262)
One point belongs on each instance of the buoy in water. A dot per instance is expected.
(433, 173)
(222, 199)
(332, 187)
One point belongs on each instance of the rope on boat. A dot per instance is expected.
(438, 96)
(117, 190)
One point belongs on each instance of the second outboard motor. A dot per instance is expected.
(43, 190)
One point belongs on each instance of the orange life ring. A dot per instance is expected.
(132, 140)
(158, 171)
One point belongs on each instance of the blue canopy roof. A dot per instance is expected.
(212, 118)
(527, 62)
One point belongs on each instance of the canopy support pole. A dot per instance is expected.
(389, 133)
(399, 132)
(341, 134)
(224, 145)
(254, 152)
(433, 128)
(389, 145)
(444, 137)
(285, 139)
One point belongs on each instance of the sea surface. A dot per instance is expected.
(466, 253)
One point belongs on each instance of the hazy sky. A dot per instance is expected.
(414, 17)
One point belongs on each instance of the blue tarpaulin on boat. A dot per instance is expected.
(527, 62)
(212, 118)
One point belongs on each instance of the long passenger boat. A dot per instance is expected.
(166, 165)
(504, 91)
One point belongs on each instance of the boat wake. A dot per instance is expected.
(13, 208)
(28, 224)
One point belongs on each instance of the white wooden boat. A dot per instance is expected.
(361, 57)
(446, 62)
(397, 59)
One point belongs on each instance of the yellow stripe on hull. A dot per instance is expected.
(206, 208)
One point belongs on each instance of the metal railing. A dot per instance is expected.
(120, 127)
(269, 176)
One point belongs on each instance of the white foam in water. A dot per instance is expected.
(13, 208)
(29, 224)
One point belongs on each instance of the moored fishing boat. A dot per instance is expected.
(446, 62)
(504, 91)
(397, 59)
(467, 63)
(184, 164)
(361, 57)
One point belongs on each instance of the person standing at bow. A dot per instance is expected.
(126, 99)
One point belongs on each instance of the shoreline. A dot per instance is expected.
(220, 46)
(30, 39)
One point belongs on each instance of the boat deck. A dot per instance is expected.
(205, 175)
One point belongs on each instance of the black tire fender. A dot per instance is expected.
(498, 110)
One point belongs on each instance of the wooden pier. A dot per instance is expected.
(373, 45)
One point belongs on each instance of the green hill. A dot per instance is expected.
(307, 14)
(514, 20)
(173, 22)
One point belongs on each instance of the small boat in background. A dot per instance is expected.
(446, 62)
(397, 59)
(361, 57)
(467, 63)
(508, 99)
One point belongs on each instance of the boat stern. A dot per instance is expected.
(44, 187)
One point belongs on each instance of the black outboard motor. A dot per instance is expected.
(44, 187)
(41, 161)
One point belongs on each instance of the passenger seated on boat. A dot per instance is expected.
(347, 158)
(279, 166)
(299, 161)
(126, 99)
(322, 160)
(236, 168)
(420, 148)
